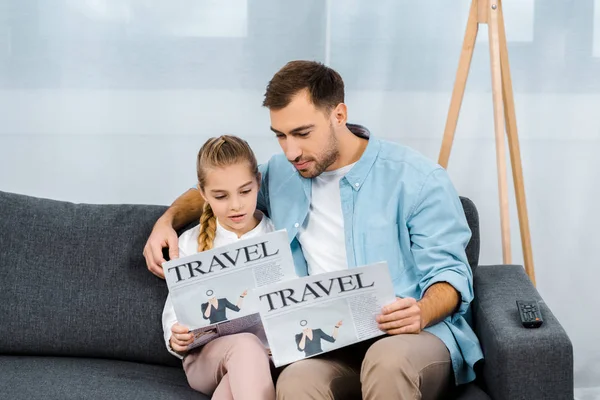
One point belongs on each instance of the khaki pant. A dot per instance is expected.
(392, 367)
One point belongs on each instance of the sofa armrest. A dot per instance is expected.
(519, 363)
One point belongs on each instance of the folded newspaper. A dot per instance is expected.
(212, 291)
(316, 314)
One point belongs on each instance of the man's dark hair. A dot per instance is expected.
(325, 86)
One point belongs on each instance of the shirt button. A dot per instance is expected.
(296, 225)
(357, 184)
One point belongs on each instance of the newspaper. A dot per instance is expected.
(320, 313)
(213, 291)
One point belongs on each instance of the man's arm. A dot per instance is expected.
(185, 209)
(408, 315)
(439, 235)
(439, 301)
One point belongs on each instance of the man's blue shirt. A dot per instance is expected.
(399, 207)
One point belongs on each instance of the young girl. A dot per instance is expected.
(234, 366)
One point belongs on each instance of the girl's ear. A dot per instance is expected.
(201, 192)
(258, 179)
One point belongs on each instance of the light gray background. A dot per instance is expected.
(108, 101)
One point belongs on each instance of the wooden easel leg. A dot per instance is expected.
(515, 153)
(499, 129)
(459, 85)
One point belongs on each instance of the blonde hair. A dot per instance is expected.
(219, 152)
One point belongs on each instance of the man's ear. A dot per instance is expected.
(340, 114)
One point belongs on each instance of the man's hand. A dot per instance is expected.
(181, 338)
(402, 316)
(163, 235)
(185, 209)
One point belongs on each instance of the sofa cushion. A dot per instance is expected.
(85, 378)
(470, 391)
(74, 281)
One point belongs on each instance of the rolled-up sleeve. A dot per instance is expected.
(439, 234)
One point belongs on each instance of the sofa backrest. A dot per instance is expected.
(473, 221)
(73, 281)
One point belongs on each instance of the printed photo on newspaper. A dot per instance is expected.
(316, 314)
(212, 291)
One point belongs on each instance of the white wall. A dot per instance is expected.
(109, 101)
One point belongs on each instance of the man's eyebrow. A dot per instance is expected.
(295, 130)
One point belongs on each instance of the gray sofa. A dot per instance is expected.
(81, 315)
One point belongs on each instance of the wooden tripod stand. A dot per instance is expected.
(490, 12)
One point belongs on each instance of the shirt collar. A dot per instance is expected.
(357, 175)
(233, 236)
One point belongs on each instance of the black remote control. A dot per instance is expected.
(531, 317)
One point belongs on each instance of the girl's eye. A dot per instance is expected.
(219, 197)
(246, 191)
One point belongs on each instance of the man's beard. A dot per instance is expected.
(325, 159)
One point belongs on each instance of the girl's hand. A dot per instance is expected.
(245, 293)
(181, 338)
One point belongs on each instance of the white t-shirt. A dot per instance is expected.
(188, 245)
(322, 234)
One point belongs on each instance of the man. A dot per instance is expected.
(347, 201)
